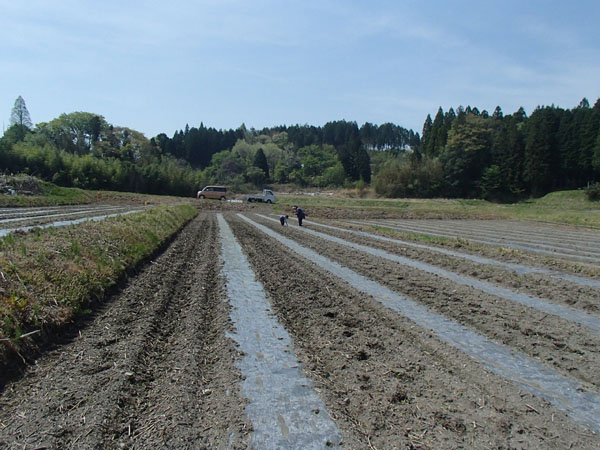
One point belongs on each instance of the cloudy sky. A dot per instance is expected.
(156, 66)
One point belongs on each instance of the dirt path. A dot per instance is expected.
(154, 369)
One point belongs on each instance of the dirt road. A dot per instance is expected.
(157, 366)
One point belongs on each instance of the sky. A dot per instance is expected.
(155, 66)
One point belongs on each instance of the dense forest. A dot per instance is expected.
(460, 153)
(468, 153)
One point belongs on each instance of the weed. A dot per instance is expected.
(75, 249)
(66, 267)
(8, 240)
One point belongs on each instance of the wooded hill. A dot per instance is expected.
(462, 153)
(468, 153)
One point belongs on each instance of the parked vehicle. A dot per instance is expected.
(267, 196)
(215, 192)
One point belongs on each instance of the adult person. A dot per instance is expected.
(300, 214)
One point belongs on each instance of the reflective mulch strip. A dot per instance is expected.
(564, 312)
(518, 268)
(63, 223)
(284, 409)
(75, 212)
(581, 405)
(498, 243)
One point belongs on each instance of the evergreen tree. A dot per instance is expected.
(507, 155)
(590, 130)
(368, 135)
(596, 159)
(541, 152)
(438, 135)
(584, 103)
(520, 115)
(497, 114)
(20, 118)
(260, 161)
(364, 165)
(426, 135)
(569, 143)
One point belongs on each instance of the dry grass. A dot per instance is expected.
(49, 276)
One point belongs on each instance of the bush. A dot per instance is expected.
(593, 192)
(492, 186)
(399, 179)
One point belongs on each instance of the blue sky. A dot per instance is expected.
(156, 66)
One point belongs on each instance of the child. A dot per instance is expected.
(283, 220)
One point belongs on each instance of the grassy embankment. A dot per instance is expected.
(49, 276)
(52, 195)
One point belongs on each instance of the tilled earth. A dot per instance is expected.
(155, 367)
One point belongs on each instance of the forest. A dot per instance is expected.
(473, 154)
(463, 153)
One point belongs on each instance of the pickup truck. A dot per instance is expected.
(266, 197)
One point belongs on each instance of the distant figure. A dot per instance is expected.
(301, 216)
(283, 220)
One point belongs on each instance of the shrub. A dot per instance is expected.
(593, 192)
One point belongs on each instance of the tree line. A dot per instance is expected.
(461, 153)
(471, 154)
(82, 149)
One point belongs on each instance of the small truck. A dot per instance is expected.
(267, 196)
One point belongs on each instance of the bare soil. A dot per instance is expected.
(572, 349)
(388, 382)
(154, 368)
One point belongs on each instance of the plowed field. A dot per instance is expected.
(157, 367)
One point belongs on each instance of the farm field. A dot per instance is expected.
(244, 333)
(12, 219)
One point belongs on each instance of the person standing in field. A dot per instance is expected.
(300, 214)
